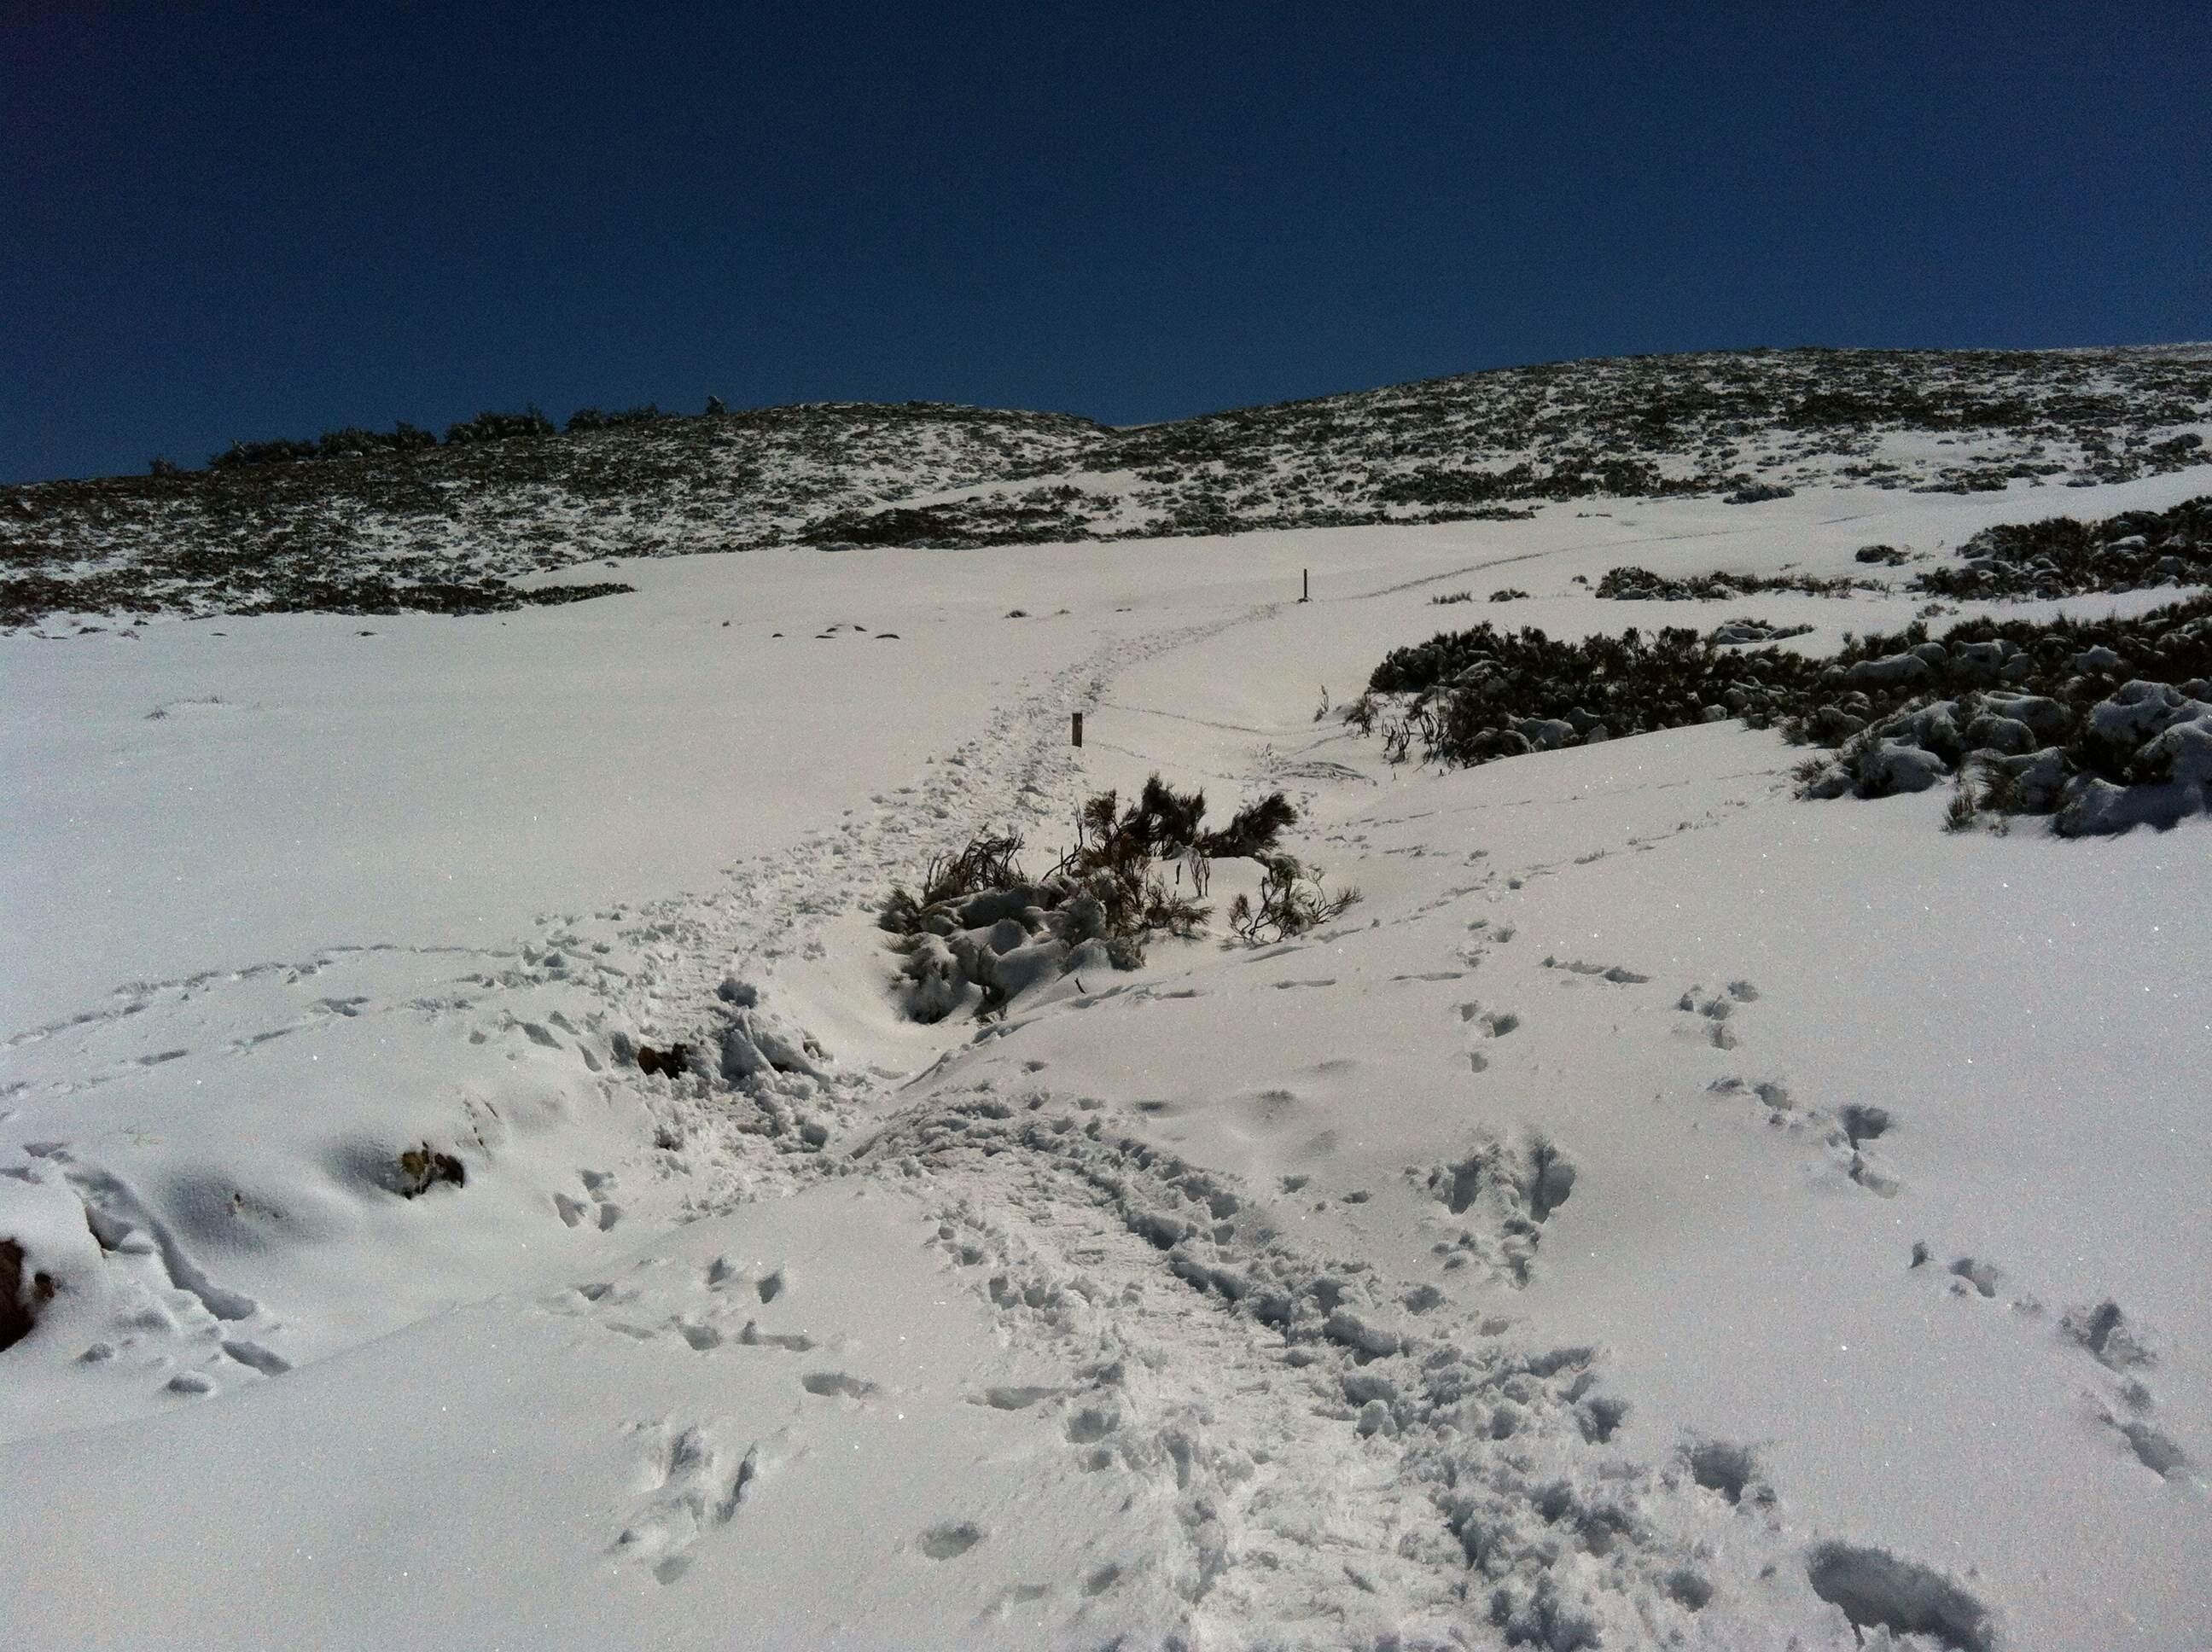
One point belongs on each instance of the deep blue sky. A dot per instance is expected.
(231, 221)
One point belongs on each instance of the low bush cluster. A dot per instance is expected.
(1493, 692)
(349, 443)
(2061, 557)
(2101, 724)
(593, 418)
(1641, 584)
(498, 426)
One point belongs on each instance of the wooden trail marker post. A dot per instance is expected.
(1305, 585)
(1075, 729)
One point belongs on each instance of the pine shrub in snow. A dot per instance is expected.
(1633, 583)
(983, 931)
(2062, 558)
(2101, 724)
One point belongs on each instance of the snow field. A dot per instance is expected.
(1528, 1258)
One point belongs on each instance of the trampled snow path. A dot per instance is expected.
(1462, 1488)
(1018, 774)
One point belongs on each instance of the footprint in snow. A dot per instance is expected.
(266, 1361)
(1010, 1398)
(1713, 1011)
(838, 1385)
(689, 1485)
(1619, 974)
(1489, 1023)
(951, 1541)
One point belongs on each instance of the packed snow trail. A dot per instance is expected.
(1342, 1470)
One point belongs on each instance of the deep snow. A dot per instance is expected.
(1530, 1257)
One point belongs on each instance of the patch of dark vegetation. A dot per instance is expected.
(22, 1295)
(348, 443)
(1509, 593)
(283, 581)
(1757, 493)
(1876, 1590)
(1641, 584)
(593, 418)
(1290, 901)
(1451, 597)
(2102, 723)
(981, 931)
(2060, 557)
(1490, 693)
(423, 1168)
(499, 427)
(1034, 517)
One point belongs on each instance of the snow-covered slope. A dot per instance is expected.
(1662, 1212)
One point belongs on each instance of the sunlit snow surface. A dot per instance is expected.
(1228, 1301)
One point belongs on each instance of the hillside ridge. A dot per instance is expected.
(448, 526)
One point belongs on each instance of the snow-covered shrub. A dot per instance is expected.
(983, 931)
(2060, 557)
(2103, 723)
(1757, 493)
(1748, 632)
(1291, 902)
(1633, 583)
(1489, 693)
